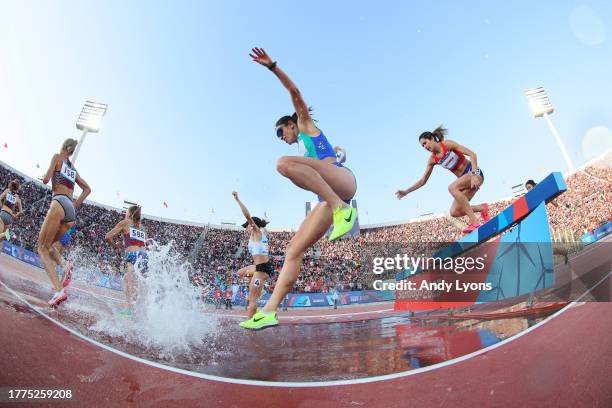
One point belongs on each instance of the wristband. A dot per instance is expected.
(476, 172)
(272, 66)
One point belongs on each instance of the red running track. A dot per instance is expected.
(564, 362)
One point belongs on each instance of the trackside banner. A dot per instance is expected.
(21, 254)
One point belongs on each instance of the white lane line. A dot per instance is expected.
(304, 384)
(70, 288)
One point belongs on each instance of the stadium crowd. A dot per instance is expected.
(216, 254)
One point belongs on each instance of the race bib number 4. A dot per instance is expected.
(137, 234)
(68, 172)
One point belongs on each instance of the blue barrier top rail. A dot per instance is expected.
(548, 189)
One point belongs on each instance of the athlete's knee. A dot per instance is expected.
(42, 248)
(283, 165)
(324, 205)
(454, 212)
(453, 189)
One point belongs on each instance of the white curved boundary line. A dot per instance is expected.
(300, 384)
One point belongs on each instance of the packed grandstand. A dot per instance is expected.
(217, 252)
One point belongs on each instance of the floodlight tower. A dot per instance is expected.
(541, 107)
(89, 121)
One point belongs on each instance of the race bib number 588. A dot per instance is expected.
(137, 234)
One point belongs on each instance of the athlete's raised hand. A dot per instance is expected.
(401, 194)
(260, 57)
(235, 194)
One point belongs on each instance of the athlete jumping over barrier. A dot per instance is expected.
(452, 156)
(515, 251)
(320, 172)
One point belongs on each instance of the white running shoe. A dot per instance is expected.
(57, 298)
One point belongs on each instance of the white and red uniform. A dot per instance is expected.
(451, 159)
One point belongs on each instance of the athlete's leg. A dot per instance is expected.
(333, 183)
(462, 193)
(257, 283)
(46, 237)
(129, 282)
(456, 211)
(311, 230)
(56, 253)
(247, 271)
(2, 230)
(57, 248)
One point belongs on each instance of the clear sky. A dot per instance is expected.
(191, 118)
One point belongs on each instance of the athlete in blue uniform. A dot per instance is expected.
(261, 269)
(317, 171)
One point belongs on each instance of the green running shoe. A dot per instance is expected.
(344, 219)
(260, 321)
(7, 235)
(126, 312)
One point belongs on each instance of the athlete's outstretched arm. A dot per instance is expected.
(86, 191)
(114, 232)
(420, 183)
(245, 211)
(261, 57)
(3, 194)
(473, 158)
(50, 170)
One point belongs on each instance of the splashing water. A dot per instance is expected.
(169, 313)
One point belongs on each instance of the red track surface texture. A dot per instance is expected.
(565, 362)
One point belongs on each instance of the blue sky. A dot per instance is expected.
(191, 117)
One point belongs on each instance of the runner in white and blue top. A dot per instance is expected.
(258, 247)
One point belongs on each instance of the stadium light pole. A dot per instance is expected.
(541, 107)
(89, 120)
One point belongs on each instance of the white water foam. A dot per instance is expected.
(170, 316)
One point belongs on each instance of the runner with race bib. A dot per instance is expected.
(452, 156)
(61, 215)
(136, 259)
(11, 202)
